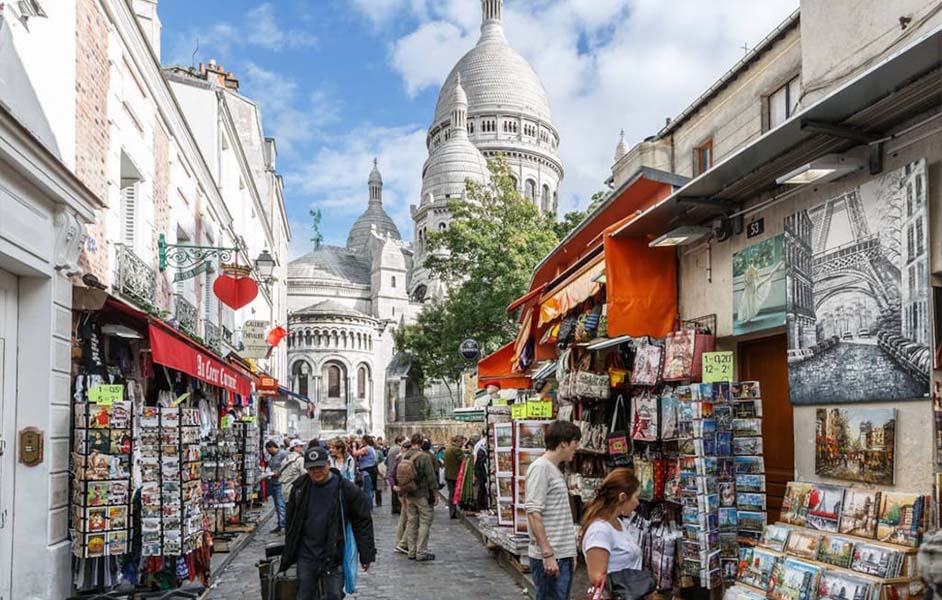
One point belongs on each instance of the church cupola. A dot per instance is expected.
(376, 184)
(492, 19)
(620, 149)
(459, 113)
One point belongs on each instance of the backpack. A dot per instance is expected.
(406, 475)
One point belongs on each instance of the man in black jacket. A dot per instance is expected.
(318, 508)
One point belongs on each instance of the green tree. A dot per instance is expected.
(572, 219)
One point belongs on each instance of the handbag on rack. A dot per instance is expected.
(592, 321)
(619, 449)
(644, 417)
(567, 330)
(647, 365)
(683, 353)
(618, 375)
(644, 471)
(590, 384)
(565, 376)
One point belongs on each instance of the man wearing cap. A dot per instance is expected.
(293, 467)
(319, 506)
(276, 458)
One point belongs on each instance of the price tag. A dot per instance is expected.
(717, 367)
(106, 395)
(539, 410)
(248, 419)
(518, 411)
(499, 402)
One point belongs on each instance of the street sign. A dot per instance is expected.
(717, 367)
(253, 337)
(755, 228)
(191, 273)
(469, 350)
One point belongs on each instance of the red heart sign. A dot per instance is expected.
(235, 292)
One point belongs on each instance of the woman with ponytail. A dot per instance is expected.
(612, 554)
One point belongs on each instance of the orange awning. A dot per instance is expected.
(497, 368)
(522, 338)
(573, 291)
(640, 285)
(525, 298)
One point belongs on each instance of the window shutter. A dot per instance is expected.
(128, 214)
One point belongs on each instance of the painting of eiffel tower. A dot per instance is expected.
(857, 294)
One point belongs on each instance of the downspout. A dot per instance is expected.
(673, 167)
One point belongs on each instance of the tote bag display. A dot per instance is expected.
(644, 417)
(618, 445)
(647, 366)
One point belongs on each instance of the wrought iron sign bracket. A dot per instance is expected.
(188, 256)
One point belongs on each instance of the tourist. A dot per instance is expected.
(391, 456)
(341, 460)
(402, 538)
(421, 496)
(452, 459)
(276, 457)
(481, 475)
(293, 467)
(609, 547)
(552, 548)
(366, 462)
(319, 507)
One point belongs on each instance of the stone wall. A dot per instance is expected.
(92, 77)
(438, 431)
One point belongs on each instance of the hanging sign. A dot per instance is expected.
(267, 386)
(191, 273)
(106, 395)
(518, 411)
(539, 409)
(469, 349)
(235, 292)
(717, 367)
(253, 339)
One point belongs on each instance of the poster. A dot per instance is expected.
(759, 286)
(856, 444)
(858, 311)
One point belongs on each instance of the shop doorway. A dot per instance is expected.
(8, 316)
(765, 360)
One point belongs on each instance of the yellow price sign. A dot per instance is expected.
(717, 367)
(499, 402)
(518, 411)
(539, 410)
(106, 395)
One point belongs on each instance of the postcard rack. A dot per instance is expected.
(860, 579)
(101, 479)
(222, 475)
(251, 471)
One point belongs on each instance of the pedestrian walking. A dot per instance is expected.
(276, 458)
(480, 472)
(342, 461)
(319, 508)
(402, 537)
(391, 457)
(365, 454)
(420, 489)
(612, 553)
(552, 548)
(452, 461)
(293, 467)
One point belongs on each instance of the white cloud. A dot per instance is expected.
(335, 178)
(606, 64)
(263, 30)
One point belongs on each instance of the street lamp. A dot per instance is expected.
(265, 265)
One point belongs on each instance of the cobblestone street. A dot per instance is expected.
(462, 566)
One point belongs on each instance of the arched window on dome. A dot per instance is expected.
(334, 376)
(547, 199)
(419, 294)
(530, 190)
(442, 226)
(301, 373)
(516, 183)
(470, 126)
(363, 376)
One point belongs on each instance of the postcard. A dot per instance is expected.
(752, 520)
(503, 435)
(117, 517)
(119, 492)
(750, 483)
(804, 544)
(119, 467)
(749, 465)
(150, 417)
(670, 414)
(727, 492)
(726, 469)
(170, 417)
(729, 546)
(727, 518)
(721, 391)
(744, 390)
(747, 409)
(95, 545)
(750, 501)
(747, 445)
(859, 513)
(836, 550)
(121, 415)
(747, 427)
(117, 542)
(823, 507)
(97, 493)
(775, 537)
(120, 442)
(96, 519)
(756, 565)
(723, 415)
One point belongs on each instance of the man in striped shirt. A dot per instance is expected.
(552, 549)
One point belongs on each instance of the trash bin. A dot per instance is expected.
(265, 571)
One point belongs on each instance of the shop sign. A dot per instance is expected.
(717, 367)
(267, 386)
(253, 338)
(191, 273)
(518, 411)
(106, 395)
(172, 351)
(755, 228)
(469, 349)
(539, 410)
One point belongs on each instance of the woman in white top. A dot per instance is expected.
(342, 461)
(608, 546)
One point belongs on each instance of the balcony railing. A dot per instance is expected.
(185, 314)
(212, 336)
(226, 335)
(134, 279)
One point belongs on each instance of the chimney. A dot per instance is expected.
(214, 73)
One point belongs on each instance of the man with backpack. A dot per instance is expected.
(402, 539)
(417, 481)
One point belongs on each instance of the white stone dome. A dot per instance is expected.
(494, 74)
(450, 165)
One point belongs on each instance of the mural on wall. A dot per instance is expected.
(759, 286)
(858, 293)
(856, 444)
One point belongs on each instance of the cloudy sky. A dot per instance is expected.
(342, 81)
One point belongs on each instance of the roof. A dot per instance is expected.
(450, 164)
(331, 308)
(373, 218)
(494, 74)
(332, 263)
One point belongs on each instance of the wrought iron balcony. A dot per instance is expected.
(226, 335)
(212, 336)
(185, 314)
(133, 278)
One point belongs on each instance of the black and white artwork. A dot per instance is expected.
(858, 293)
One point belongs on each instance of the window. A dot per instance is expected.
(333, 381)
(703, 157)
(530, 190)
(361, 382)
(128, 211)
(783, 102)
(301, 370)
(920, 237)
(547, 199)
(442, 226)
(910, 245)
(393, 281)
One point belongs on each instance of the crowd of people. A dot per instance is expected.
(319, 487)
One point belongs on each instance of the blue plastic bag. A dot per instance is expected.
(349, 555)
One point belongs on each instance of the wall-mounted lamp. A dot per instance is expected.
(826, 168)
(681, 236)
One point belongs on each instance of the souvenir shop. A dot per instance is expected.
(165, 450)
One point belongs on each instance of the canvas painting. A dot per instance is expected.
(794, 502)
(859, 514)
(775, 537)
(794, 579)
(835, 585)
(823, 507)
(857, 268)
(856, 443)
(880, 561)
(901, 517)
(804, 544)
(759, 286)
(837, 551)
(756, 565)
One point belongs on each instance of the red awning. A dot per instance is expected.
(172, 350)
(497, 368)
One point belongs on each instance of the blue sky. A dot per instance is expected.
(341, 81)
